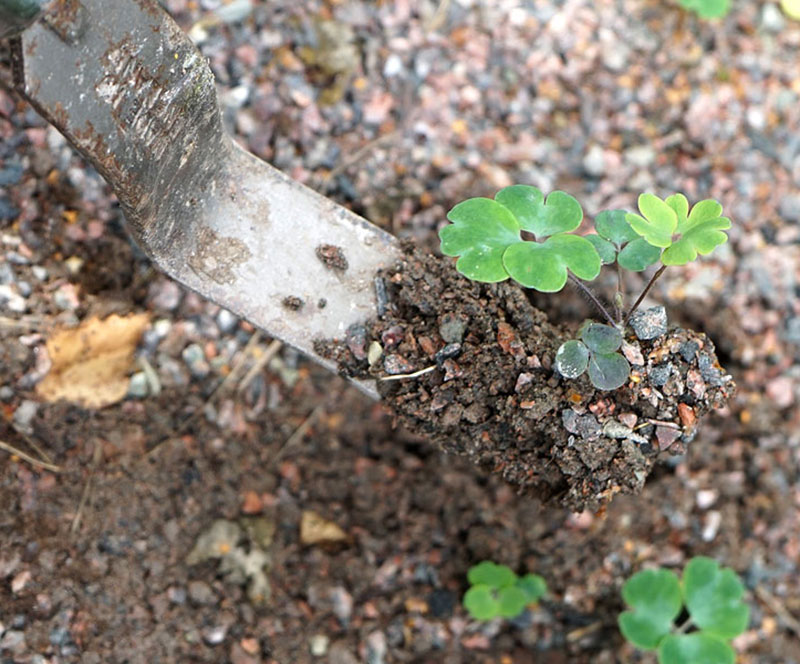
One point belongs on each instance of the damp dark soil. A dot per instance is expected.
(469, 365)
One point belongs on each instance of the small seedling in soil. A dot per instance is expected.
(709, 597)
(496, 591)
(487, 236)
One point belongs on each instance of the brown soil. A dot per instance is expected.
(492, 395)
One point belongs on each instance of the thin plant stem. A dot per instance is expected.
(684, 626)
(618, 296)
(592, 297)
(643, 294)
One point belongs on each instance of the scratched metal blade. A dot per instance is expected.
(131, 92)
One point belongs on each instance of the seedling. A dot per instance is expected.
(495, 591)
(487, 236)
(597, 352)
(711, 596)
(707, 8)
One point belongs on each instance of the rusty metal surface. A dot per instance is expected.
(137, 99)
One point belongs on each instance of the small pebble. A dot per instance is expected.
(226, 321)
(376, 648)
(649, 323)
(396, 364)
(201, 594)
(452, 328)
(318, 645)
(24, 414)
(356, 340)
(213, 636)
(10, 299)
(772, 18)
(342, 602)
(614, 429)
(7, 275)
(195, 359)
(594, 162)
(138, 387)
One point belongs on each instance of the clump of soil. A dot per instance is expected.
(482, 385)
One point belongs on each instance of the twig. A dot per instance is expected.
(415, 374)
(660, 423)
(25, 323)
(76, 521)
(261, 362)
(27, 457)
(439, 16)
(577, 282)
(298, 434)
(644, 293)
(87, 489)
(780, 610)
(359, 155)
(44, 456)
(232, 377)
(581, 632)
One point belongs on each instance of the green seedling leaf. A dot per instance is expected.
(713, 597)
(605, 249)
(481, 603)
(696, 647)
(680, 204)
(602, 339)
(491, 574)
(657, 222)
(638, 255)
(608, 371)
(682, 234)
(544, 266)
(655, 597)
(559, 213)
(613, 226)
(707, 8)
(572, 358)
(701, 238)
(481, 231)
(533, 586)
(511, 601)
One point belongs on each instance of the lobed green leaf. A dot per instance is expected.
(572, 358)
(605, 249)
(511, 601)
(657, 222)
(608, 371)
(701, 238)
(713, 597)
(600, 338)
(491, 574)
(481, 603)
(695, 648)
(534, 587)
(614, 227)
(638, 255)
(481, 231)
(655, 597)
(559, 213)
(707, 8)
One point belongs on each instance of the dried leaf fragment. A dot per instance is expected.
(90, 363)
(316, 530)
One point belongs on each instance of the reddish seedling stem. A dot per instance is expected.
(593, 298)
(643, 294)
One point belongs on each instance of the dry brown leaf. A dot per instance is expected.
(316, 530)
(90, 363)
